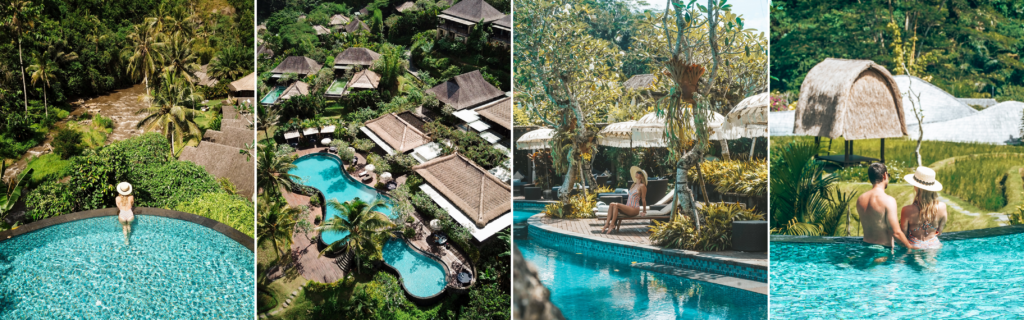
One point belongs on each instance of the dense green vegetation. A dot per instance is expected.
(968, 48)
(159, 180)
(56, 52)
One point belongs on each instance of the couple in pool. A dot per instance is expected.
(915, 226)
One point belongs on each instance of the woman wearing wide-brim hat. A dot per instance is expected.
(923, 220)
(125, 201)
(636, 202)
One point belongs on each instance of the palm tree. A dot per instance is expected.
(272, 169)
(231, 63)
(144, 53)
(178, 58)
(267, 117)
(275, 222)
(44, 68)
(366, 226)
(22, 19)
(169, 113)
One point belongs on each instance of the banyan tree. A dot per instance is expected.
(853, 99)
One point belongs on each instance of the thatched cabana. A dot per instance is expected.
(471, 195)
(406, 6)
(396, 133)
(264, 52)
(466, 90)
(229, 136)
(297, 88)
(853, 99)
(223, 161)
(338, 20)
(351, 57)
(321, 30)
(296, 64)
(203, 77)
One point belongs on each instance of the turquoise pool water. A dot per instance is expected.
(271, 97)
(173, 269)
(981, 278)
(594, 288)
(427, 274)
(326, 173)
(521, 215)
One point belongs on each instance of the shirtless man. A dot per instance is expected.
(879, 217)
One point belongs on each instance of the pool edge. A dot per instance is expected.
(418, 299)
(238, 236)
(950, 236)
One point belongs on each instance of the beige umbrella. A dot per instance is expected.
(649, 131)
(619, 135)
(536, 139)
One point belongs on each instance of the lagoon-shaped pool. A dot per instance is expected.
(326, 173)
(422, 276)
(173, 269)
(978, 278)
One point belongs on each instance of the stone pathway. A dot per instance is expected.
(1001, 218)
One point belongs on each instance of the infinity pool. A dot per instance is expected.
(421, 275)
(173, 269)
(326, 173)
(980, 278)
(594, 288)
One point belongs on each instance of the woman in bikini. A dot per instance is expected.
(636, 202)
(125, 201)
(923, 220)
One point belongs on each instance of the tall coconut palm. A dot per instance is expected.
(267, 116)
(367, 228)
(275, 222)
(178, 58)
(44, 68)
(143, 54)
(168, 111)
(272, 169)
(22, 19)
(390, 66)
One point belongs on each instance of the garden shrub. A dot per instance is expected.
(102, 122)
(47, 167)
(67, 142)
(167, 185)
(487, 302)
(231, 210)
(1017, 217)
(49, 200)
(364, 145)
(715, 232)
(381, 164)
(734, 176)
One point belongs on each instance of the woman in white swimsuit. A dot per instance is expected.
(125, 201)
(923, 220)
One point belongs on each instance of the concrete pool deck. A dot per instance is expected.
(713, 267)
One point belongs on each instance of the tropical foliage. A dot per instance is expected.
(272, 169)
(276, 222)
(232, 210)
(367, 228)
(733, 176)
(804, 199)
(714, 235)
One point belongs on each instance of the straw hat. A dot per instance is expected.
(634, 170)
(124, 188)
(924, 178)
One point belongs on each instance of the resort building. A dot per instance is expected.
(501, 31)
(406, 6)
(457, 20)
(244, 88)
(338, 21)
(203, 78)
(472, 196)
(467, 90)
(354, 56)
(355, 26)
(264, 52)
(321, 30)
(297, 88)
(492, 120)
(396, 133)
(362, 80)
(218, 151)
(299, 65)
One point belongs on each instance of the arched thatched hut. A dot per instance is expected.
(853, 99)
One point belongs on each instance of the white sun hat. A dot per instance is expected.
(124, 188)
(924, 178)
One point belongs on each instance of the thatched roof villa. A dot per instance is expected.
(296, 64)
(321, 30)
(396, 134)
(499, 113)
(355, 26)
(338, 20)
(853, 99)
(457, 19)
(472, 196)
(224, 161)
(229, 136)
(466, 90)
(244, 87)
(297, 88)
(406, 6)
(203, 77)
(501, 31)
(353, 56)
(264, 52)
(362, 80)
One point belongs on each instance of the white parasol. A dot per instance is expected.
(385, 177)
(325, 141)
(536, 139)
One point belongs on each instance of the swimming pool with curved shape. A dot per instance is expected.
(980, 278)
(588, 287)
(421, 276)
(173, 269)
(326, 173)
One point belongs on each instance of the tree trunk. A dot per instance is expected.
(685, 200)
(46, 109)
(21, 64)
(725, 149)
